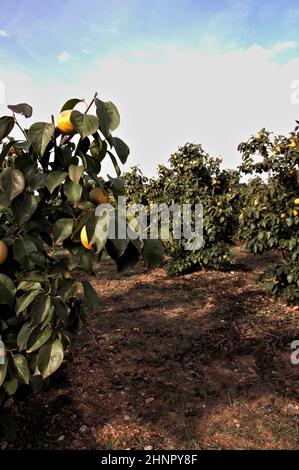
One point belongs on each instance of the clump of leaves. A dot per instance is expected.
(45, 180)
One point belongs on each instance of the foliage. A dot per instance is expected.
(45, 180)
(194, 177)
(264, 212)
(269, 217)
(137, 187)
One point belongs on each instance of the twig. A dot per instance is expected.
(91, 103)
(53, 122)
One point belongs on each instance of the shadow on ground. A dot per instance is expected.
(199, 361)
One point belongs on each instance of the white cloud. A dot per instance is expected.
(284, 46)
(174, 96)
(169, 95)
(4, 34)
(64, 57)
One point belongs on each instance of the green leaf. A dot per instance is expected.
(40, 308)
(7, 291)
(40, 134)
(21, 367)
(118, 187)
(92, 166)
(5, 149)
(24, 251)
(28, 167)
(85, 124)
(68, 289)
(101, 227)
(22, 145)
(62, 229)
(49, 317)
(54, 179)
(70, 104)
(90, 227)
(61, 308)
(121, 149)
(108, 116)
(73, 191)
(37, 181)
(63, 156)
(98, 147)
(38, 338)
(290, 278)
(23, 208)
(84, 260)
(32, 363)
(11, 385)
(152, 253)
(75, 173)
(3, 370)
(50, 358)
(12, 182)
(28, 280)
(6, 126)
(83, 145)
(81, 221)
(115, 248)
(25, 300)
(115, 164)
(22, 108)
(91, 296)
(23, 335)
(129, 258)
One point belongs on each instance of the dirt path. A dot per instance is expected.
(201, 361)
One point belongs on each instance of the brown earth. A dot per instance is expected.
(196, 362)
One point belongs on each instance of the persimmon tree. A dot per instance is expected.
(270, 214)
(50, 188)
(137, 186)
(194, 177)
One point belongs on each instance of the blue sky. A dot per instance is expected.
(179, 70)
(86, 30)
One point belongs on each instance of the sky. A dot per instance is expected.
(178, 70)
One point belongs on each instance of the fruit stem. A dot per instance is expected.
(91, 103)
(53, 122)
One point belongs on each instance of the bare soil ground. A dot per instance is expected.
(196, 362)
